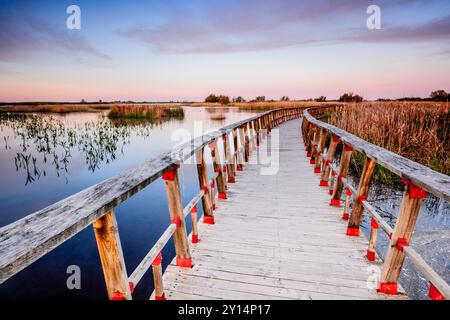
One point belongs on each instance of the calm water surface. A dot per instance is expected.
(44, 159)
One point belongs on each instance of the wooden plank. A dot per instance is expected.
(363, 191)
(111, 256)
(176, 215)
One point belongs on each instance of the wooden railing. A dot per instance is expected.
(28, 239)
(419, 180)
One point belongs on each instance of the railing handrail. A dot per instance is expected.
(432, 181)
(418, 178)
(26, 240)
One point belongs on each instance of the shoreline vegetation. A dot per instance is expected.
(149, 112)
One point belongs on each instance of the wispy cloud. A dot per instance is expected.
(240, 26)
(23, 36)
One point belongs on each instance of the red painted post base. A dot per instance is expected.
(214, 207)
(312, 161)
(231, 180)
(117, 296)
(370, 255)
(195, 238)
(335, 202)
(434, 293)
(161, 298)
(184, 262)
(353, 232)
(388, 288)
(330, 192)
(345, 216)
(240, 167)
(208, 219)
(222, 196)
(323, 183)
(308, 155)
(316, 170)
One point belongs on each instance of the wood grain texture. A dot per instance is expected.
(297, 249)
(111, 256)
(434, 182)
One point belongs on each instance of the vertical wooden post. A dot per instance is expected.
(373, 240)
(363, 191)
(111, 256)
(247, 144)
(257, 132)
(183, 256)
(320, 148)
(309, 143)
(330, 156)
(348, 195)
(203, 180)
(238, 158)
(157, 278)
(194, 223)
(345, 163)
(315, 147)
(219, 170)
(230, 165)
(409, 210)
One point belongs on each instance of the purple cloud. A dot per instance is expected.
(24, 36)
(240, 26)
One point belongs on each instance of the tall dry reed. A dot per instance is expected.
(419, 131)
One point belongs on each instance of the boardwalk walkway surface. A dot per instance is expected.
(276, 237)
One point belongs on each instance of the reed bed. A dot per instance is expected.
(419, 131)
(218, 116)
(53, 108)
(262, 106)
(151, 112)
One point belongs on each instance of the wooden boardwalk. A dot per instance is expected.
(276, 237)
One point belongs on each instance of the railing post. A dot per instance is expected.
(413, 198)
(204, 185)
(363, 191)
(238, 160)
(257, 132)
(372, 240)
(320, 148)
(218, 168)
(310, 136)
(314, 149)
(111, 256)
(345, 163)
(247, 144)
(183, 256)
(330, 156)
(230, 165)
(158, 278)
(194, 224)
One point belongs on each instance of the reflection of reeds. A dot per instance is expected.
(218, 116)
(418, 131)
(150, 112)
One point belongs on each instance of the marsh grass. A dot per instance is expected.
(419, 131)
(53, 108)
(266, 105)
(150, 112)
(218, 116)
